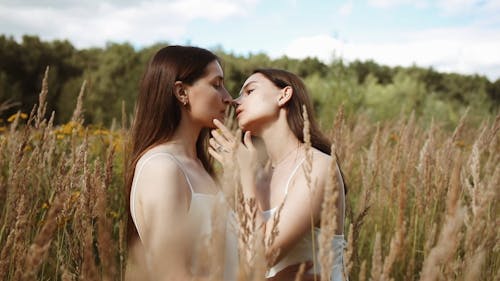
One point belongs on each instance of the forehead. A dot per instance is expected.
(214, 69)
(256, 77)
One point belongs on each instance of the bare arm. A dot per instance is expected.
(162, 197)
(302, 208)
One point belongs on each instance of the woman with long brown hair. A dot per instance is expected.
(169, 182)
(270, 107)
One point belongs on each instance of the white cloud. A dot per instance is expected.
(94, 23)
(346, 9)
(321, 46)
(448, 7)
(458, 6)
(393, 3)
(462, 50)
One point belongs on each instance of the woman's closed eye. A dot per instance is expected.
(249, 91)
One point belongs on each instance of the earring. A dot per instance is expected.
(185, 101)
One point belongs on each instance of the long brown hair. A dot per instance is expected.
(158, 111)
(281, 79)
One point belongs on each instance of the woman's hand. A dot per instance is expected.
(227, 148)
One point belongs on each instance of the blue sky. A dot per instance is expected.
(450, 35)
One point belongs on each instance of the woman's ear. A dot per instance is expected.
(285, 96)
(181, 93)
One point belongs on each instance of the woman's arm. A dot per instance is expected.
(302, 207)
(301, 210)
(161, 210)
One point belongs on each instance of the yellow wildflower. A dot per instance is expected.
(459, 143)
(14, 116)
(101, 132)
(67, 129)
(114, 214)
(74, 196)
(394, 137)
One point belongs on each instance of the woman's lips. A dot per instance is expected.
(238, 112)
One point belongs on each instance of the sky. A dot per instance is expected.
(449, 35)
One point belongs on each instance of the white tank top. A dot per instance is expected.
(200, 211)
(302, 251)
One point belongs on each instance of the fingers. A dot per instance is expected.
(226, 133)
(216, 155)
(217, 147)
(220, 140)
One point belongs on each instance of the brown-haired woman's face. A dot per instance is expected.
(257, 104)
(208, 98)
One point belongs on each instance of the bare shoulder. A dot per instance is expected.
(321, 161)
(158, 165)
(159, 177)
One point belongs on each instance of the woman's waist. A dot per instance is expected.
(308, 250)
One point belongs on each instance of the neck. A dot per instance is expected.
(186, 135)
(279, 139)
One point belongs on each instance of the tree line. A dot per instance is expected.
(113, 74)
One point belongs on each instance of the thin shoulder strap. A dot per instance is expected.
(292, 174)
(182, 169)
(133, 188)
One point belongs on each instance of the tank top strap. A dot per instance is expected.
(292, 174)
(138, 172)
(181, 166)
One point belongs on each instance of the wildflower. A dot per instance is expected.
(114, 214)
(45, 205)
(117, 144)
(459, 144)
(100, 132)
(394, 137)
(14, 116)
(74, 196)
(67, 129)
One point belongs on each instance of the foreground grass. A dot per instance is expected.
(422, 203)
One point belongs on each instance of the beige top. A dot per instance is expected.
(302, 251)
(199, 216)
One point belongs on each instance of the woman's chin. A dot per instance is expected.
(242, 125)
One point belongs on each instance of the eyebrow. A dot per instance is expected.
(246, 86)
(218, 77)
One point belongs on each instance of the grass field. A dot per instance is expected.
(422, 202)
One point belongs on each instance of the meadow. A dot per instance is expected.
(422, 200)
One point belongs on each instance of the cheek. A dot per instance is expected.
(260, 106)
(258, 111)
(206, 107)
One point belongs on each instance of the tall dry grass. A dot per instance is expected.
(421, 204)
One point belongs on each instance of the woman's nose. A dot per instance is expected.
(236, 101)
(226, 97)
